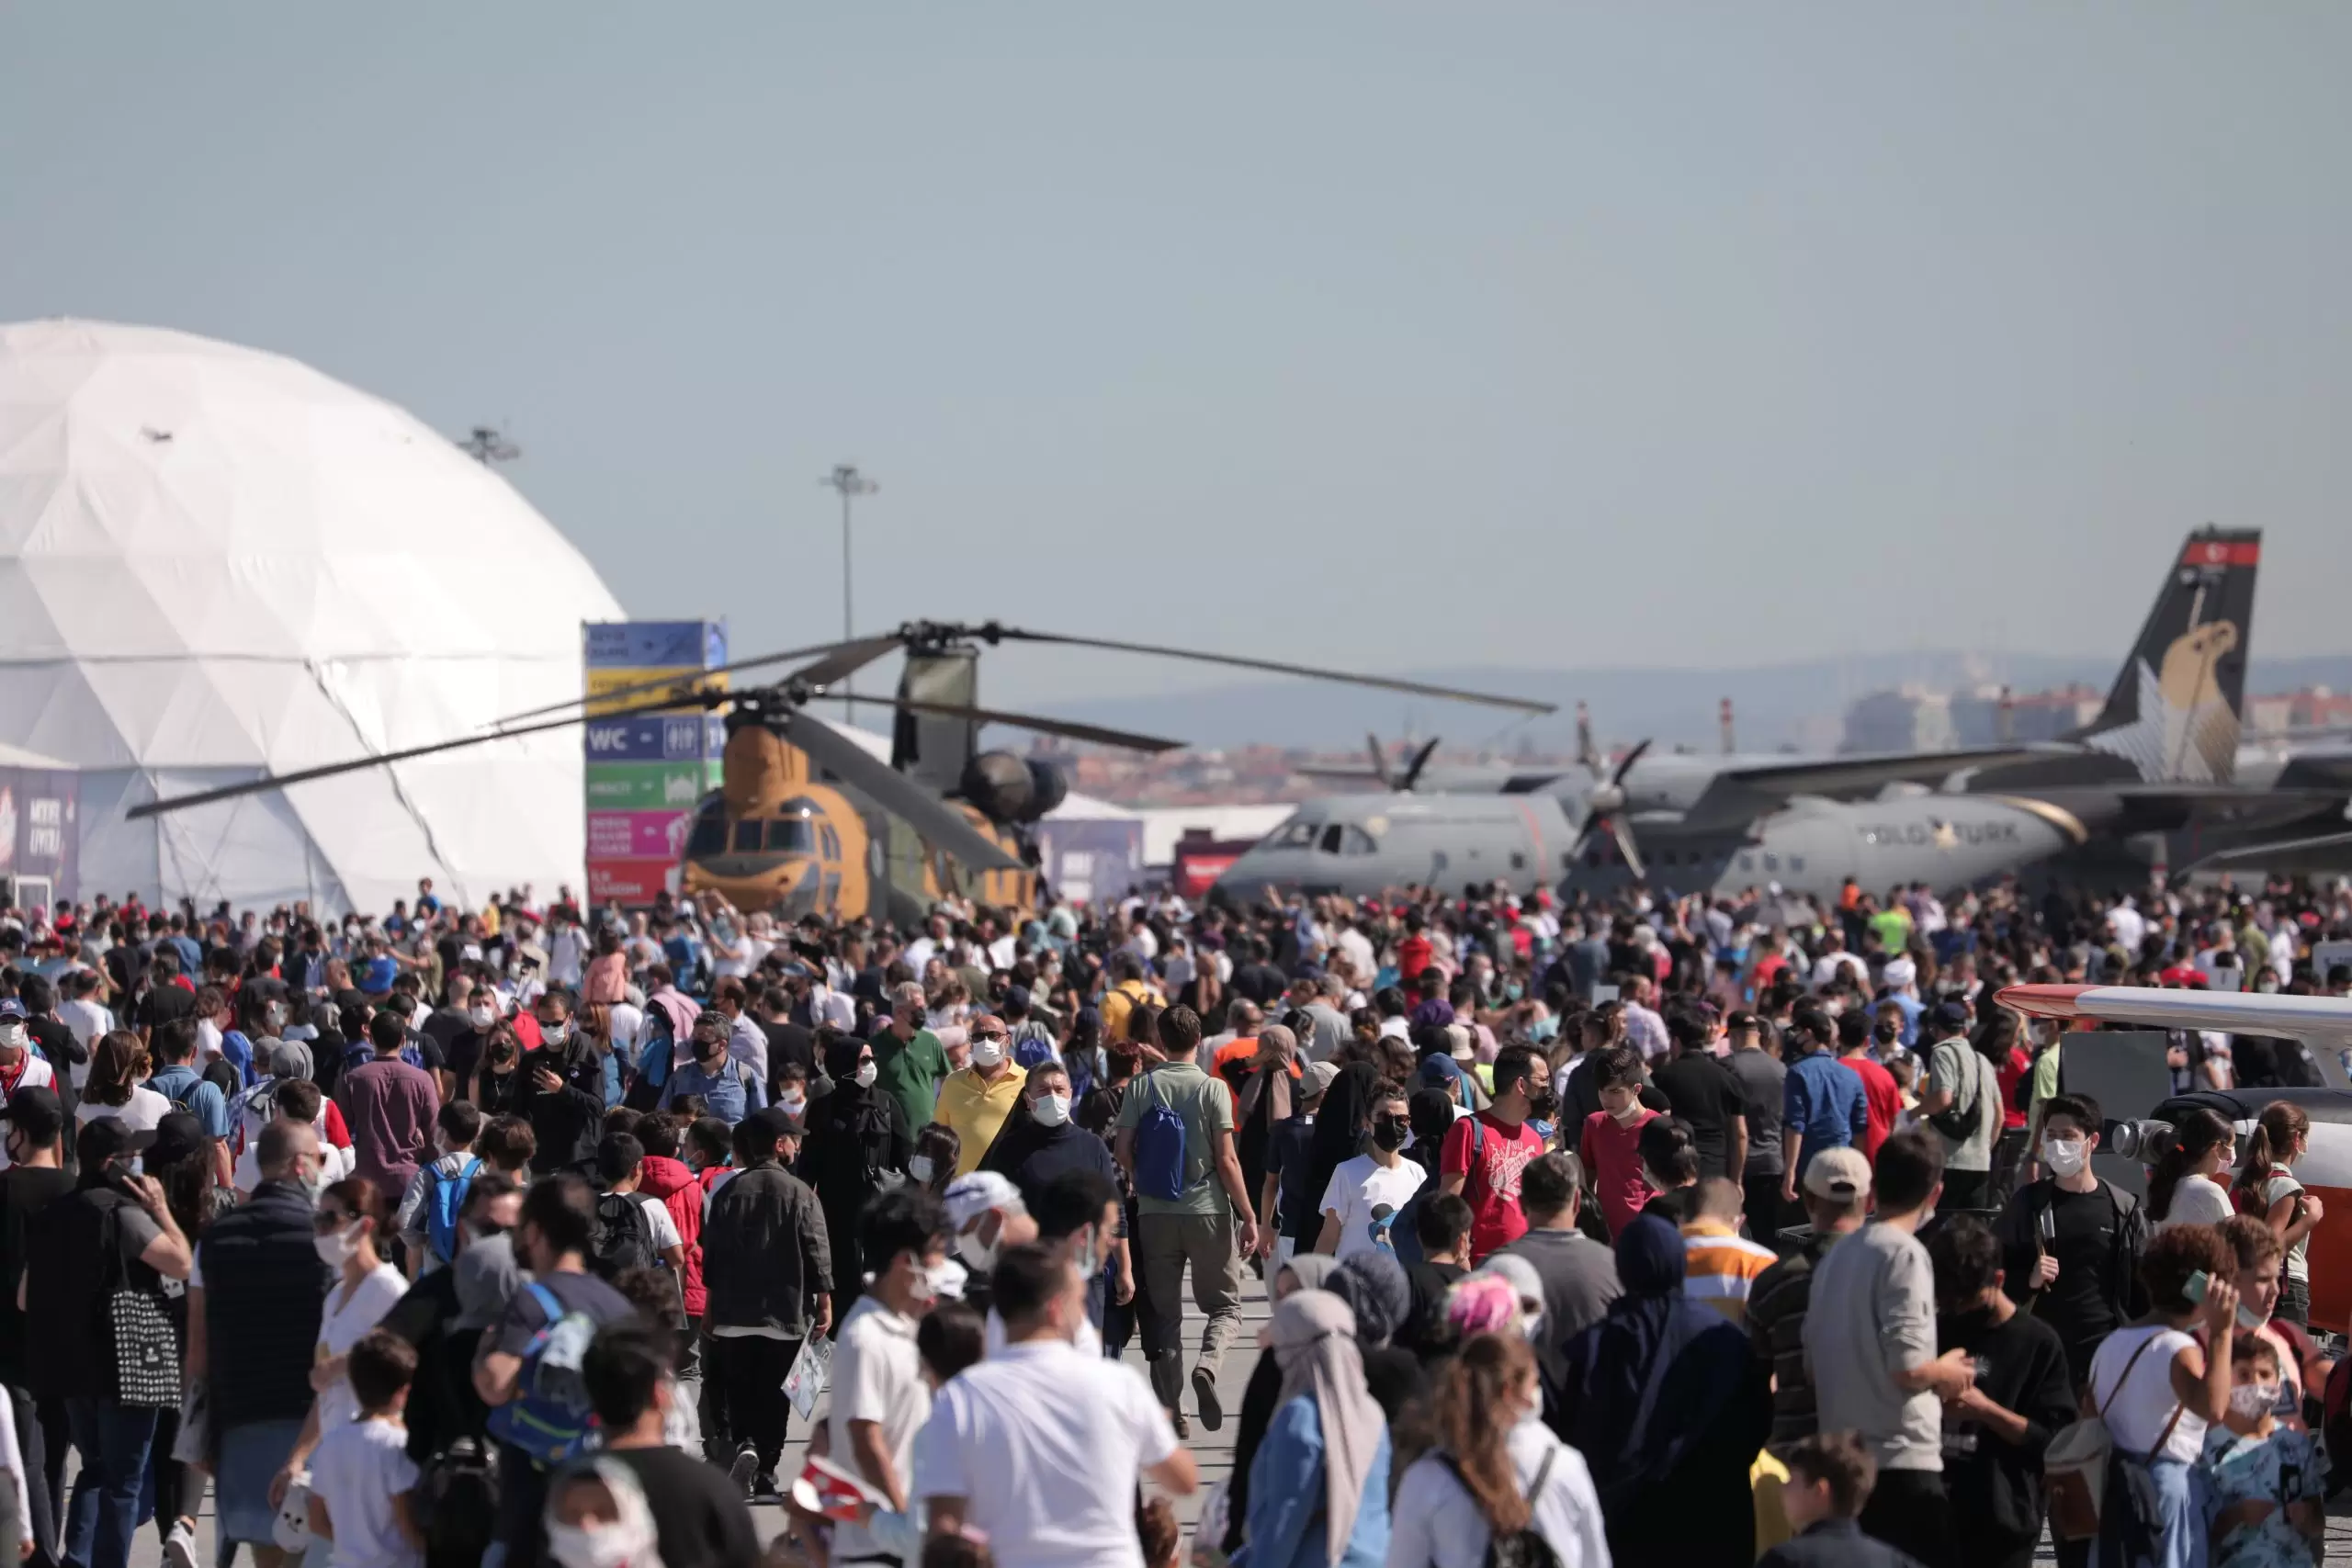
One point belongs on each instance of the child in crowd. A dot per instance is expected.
(2263, 1481)
(1612, 1136)
(360, 1473)
(1831, 1476)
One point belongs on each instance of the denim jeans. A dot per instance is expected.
(113, 1440)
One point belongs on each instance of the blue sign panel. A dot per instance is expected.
(654, 738)
(656, 644)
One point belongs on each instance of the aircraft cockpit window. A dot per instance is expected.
(1293, 835)
(1331, 836)
(747, 836)
(790, 835)
(710, 835)
(1356, 841)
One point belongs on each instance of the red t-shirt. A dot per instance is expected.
(1765, 970)
(1492, 1189)
(1413, 956)
(2007, 1075)
(1613, 1150)
(1881, 1099)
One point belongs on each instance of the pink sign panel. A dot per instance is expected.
(637, 835)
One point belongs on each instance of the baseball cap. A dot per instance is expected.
(104, 1138)
(11, 1008)
(1316, 1078)
(37, 1110)
(774, 1122)
(969, 1197)
(177, 1135)
(1948, 1016)
(1838, 1175)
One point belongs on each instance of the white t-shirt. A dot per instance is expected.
(1438, 1524)
(2146, 1402)
(144, 1110)
(334, 1162)
(2197, 1201)
(1043, 1445)
(657, 1219)
(342, 1324)
(876, 1376)
(39, 1074)
(356, 1470)
(1366, 1195)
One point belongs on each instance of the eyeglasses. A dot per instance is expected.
(977, 1037)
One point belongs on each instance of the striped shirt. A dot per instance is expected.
(1719, 1267)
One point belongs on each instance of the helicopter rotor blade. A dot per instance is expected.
(685, 683)
(1379, 761)
(942, 826)
(357, 764)
(1420, 759)
(993, 632)
(845, 661)
(1094, 734)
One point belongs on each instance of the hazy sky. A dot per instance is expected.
(1397, 335)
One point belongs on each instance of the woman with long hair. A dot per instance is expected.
(2184, 1189)
(181, 1159)
(1318, 1484)
(2000, 1040)
(119, 1069)
(497, 1083)
(1496, 1470)
(594, 1022)
(2266, 1188)
(1263, 1100)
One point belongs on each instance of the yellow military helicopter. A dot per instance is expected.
(806, 819)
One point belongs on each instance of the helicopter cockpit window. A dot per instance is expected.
(1293, 835)
(789, 834)
(747, 836)
(710, 835)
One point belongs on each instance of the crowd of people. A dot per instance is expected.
(1688, 1231)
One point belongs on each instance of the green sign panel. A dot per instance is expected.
(649, 786)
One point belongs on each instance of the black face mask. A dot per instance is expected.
(1389, 1133)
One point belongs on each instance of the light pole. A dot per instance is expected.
(850, 483)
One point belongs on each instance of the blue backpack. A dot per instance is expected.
(1161, 1156)
(441, 1205)
(549, 1418)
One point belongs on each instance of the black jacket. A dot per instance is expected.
(567, 1121)
(765, 1252)
(1836, 1544)
(264, 1290)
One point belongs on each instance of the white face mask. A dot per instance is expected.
(793, 1103)
(611, 1545)
(987, 1053)
(2250, 1317)
(2252, 1401)
(919, 1167)
(978, 1256)
(1051, 1110)
(336, 1247)
(482, 1019)
(12, 1035)
(866, 1073)
(2065, 1156)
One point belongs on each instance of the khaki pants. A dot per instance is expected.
(1168, 1243)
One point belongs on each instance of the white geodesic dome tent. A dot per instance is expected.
(217, 563)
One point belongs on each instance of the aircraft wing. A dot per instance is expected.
(1739, 795)
(2323, 854)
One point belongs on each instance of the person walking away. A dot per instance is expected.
(113, 1233)
(857, 1135)
(178, 1081)
(2266, 1188)
(1263, 1101)
(362, 1479)
(975, 1101)
(1486, 1152)
(2070, 1243)
(879, 1398)
(118, 1086)
(34, 1177)
(1039, 1446)
(664, 1176)
(767, 1265)
(1442, 1227)
(1667, 1407)
(1579, 1274)
(697, 1519)
(1963, 1103)
(1498, 1471)
(2159, 1382)
(1881, 1101)
(1293, 1218)
(256, 1299)
(1836, 1196)
(1995, 1431)
(1869, 1343)
(1175, 1141)
(1612, 1140)
(556, 1228)
(1318, 1484)
(1721, 1267)
(2264, 1483)
(1263, 1395)
(1822, 1104)
(390, 1107)
(351, 1214)
(1700, 1091)
(2185, 1188)
(633, 1229)
(426, 1219)
(1366, 1193)
(1763, 1080)
(1831, 1477)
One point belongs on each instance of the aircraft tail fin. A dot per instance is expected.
(2178, 704)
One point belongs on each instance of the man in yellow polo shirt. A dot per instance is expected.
(975, 1101)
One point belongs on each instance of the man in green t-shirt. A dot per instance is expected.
(908, 1061)
(1211, 1230)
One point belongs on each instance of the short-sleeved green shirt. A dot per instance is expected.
(909, 1074)
(1206, 1107)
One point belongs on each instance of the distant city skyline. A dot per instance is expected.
(1369, 334)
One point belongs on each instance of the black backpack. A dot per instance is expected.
(1523, 1547)
(624, 1235)
(458, 1498)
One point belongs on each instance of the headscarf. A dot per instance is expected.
(1311, 1270)
(1315, 1345)
(1375, 1286)
(1483, 1303)
(840, 1060)
(628, 1541)
(1645, 1382)
(1269, 1075)
(1338, 1123)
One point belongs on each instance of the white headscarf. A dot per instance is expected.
(1315, 1346)
(628, 1541)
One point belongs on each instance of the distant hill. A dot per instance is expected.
(1774, 705)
